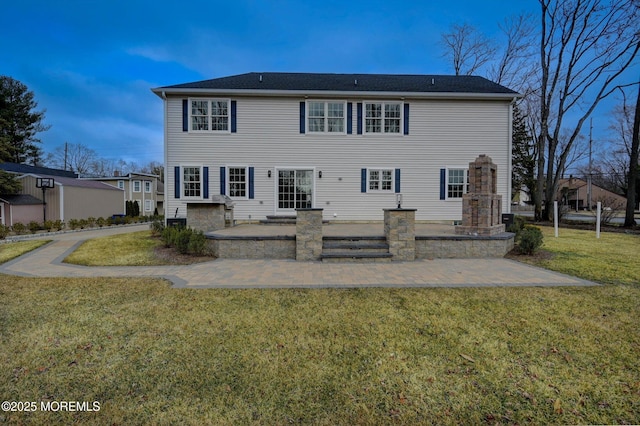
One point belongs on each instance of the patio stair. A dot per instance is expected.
(355, 249)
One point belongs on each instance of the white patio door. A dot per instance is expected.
(295, 190)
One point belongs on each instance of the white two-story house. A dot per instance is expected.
(346, 143)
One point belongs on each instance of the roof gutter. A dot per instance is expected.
(162, 93)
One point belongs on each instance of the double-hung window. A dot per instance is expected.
(326, 117)
(380, 179)
(383, 117)
(209, 115)
(147, 186)
(120, 184)
(136, 186)
(457, 183)
(192, 181)
(237, 182)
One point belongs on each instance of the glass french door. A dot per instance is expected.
(295, 189)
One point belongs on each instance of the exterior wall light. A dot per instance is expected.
(399, 200)
(269, 173)
(320, 174)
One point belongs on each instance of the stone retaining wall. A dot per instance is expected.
(282, 247)
(462, 247)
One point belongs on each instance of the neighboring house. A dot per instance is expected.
(21, 208)
(70, 198)
(346, 143)
(575, 193)
(146, 189)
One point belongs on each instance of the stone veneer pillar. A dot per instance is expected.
(400, 232)
(205, 216)
(308, 234)
(482, 206)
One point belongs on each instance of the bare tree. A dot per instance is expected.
(585, 45)
(467, 48)
(74, 157)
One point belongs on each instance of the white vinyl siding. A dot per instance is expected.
(443, 133)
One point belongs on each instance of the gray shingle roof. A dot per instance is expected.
(20, 199)
(270, 81)
(24, 168)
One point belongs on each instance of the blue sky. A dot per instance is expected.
(91, 64)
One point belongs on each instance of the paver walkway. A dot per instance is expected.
(226, 273)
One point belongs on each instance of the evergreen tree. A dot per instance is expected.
(523, 156)
(19, 123)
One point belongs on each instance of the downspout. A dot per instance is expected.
(165, 204)
(510, 158)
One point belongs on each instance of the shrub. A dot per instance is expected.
(182, 238)
(4, 231)
(74, 224)
(101, 221)
(157, 226)
(58, 225)
(517, 225)
(48, 225)
(167, 235)
(19, 228)
(33, 226)
(91, 222)
(530, 239)
(197, 243)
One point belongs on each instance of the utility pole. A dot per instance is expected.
(589, 177)
(66, 147)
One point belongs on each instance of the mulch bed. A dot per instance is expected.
(171, 256)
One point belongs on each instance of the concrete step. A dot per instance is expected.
(348, 257)
(354, 247)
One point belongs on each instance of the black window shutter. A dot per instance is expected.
(349, 117)
(233, 117)
(302, 117)
(176, 181)
(363, 180)
(223, 183)
(397, 181)
(406, 119)
(443, 184)
(359, 123)
(251, 178)
(205, 182)
(185, 115)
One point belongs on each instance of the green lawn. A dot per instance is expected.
(155, 355)
(611, 259)
(130, 249)
(9, 251)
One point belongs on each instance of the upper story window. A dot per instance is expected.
(380, 180)
(120, 184)
(383, 117)
(326, 117)
(191, 181)
(147, 186)
(136, 186)
(209, 115)
(457, 182)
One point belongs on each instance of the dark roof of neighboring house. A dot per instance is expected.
(20, 199)
(24, 168)
(79, 183)
(276, 81)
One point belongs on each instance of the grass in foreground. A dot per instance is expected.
(611, 259)
(9, 251)
(153, 355)
(131, 249)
